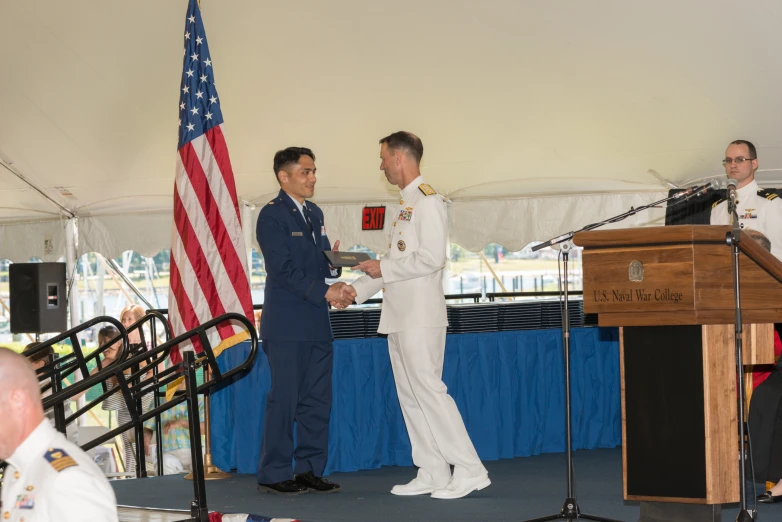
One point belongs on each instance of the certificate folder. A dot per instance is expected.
(345, 259)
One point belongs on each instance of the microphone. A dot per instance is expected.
(551, 242)
(730, 186)
(697, 190)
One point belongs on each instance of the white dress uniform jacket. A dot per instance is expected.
(412, 271)
(49, 478)
(415, 318)
(755, 212)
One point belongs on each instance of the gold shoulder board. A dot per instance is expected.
(426, 189)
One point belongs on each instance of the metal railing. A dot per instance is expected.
(493, 295)
(54, 373)
(136, 384)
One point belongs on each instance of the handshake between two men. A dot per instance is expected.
(342, 295)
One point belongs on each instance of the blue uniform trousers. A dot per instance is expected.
(300, 392)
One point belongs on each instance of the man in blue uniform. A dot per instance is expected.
(295, 330)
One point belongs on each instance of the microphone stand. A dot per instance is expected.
(570, 510)
(733, 239)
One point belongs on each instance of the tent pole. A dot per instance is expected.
(101, 272)
(247, 230)
(72, 282)
(71, 274)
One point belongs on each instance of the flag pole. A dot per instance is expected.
(211, 472)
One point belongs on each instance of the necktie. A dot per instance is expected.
(306, 213)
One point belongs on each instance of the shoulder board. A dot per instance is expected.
(426, 189)
(717, 202)
(768, 194)
(59, 459)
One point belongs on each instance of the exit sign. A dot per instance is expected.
(373, 218)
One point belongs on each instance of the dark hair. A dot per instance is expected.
(753, 153)
(108, 333)
(47, 353)
(285, 157)
(406, 141)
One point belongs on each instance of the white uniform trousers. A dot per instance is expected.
(434, 424)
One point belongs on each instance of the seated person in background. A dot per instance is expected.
(47, 477)
(115, 401)
(176, 438)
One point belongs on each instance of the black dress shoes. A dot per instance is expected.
(286, 487)
(315, 484)
(768, 498)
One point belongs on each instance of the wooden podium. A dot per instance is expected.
(670, 290)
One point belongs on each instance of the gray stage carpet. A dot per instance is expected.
(522, 488)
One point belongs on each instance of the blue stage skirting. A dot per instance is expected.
(509, 387)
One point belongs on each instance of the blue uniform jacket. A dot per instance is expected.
(294, 304)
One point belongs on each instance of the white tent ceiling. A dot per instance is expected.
(515, 100)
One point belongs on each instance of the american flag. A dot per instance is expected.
(208, 260)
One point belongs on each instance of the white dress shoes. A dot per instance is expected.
(414, 487)
(461, 487)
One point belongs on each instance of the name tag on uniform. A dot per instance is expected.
(298, 234)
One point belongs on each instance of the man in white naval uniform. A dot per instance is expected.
(757, 209)
(415, 319)
(47, 478)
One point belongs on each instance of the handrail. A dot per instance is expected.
(491, 295)
(56, 371)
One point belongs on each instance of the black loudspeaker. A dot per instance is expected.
(38, 303)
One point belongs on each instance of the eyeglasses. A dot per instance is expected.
(737, 161)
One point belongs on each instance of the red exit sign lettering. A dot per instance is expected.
(373, 218)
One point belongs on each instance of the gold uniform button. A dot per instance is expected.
(16, 475)
(7, 515)
(30, 488)
(401, 201)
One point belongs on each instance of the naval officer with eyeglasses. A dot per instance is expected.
(757, 209)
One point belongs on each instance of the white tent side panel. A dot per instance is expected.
(514, 223)
(42, 239)
(146, 234)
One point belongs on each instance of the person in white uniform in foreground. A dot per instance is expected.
(414, 317)
(47, 478)
(757, 209)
